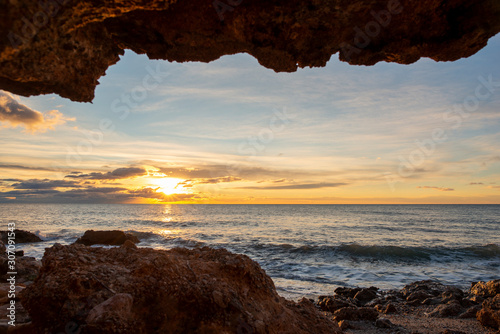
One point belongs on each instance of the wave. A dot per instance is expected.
(385, 252)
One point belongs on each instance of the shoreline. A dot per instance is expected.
(420, 307)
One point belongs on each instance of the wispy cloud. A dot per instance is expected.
(298, 186)
(436, 188)
(14, 114)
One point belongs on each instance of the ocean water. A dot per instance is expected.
(308, 250)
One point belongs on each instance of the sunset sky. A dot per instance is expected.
(232, 131)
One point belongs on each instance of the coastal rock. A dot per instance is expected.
(489, 315)
(333, 303)
(113, 238)
(27, 268)
(356, 313)
(21, 236)
(2, 248)
(365, 295)
(383, 323)
(176, 291)
(58, 47)
(422, 289)
(486, 289)
(446, 310)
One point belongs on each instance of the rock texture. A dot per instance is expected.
(141, 290)
(489, 315)
(21, 236)
(429, 302)
(113, 238)
(65, 46)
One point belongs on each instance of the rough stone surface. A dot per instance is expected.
(65, 46)
(176, 291)
(20, 237)
(115, 238)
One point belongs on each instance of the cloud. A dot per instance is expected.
(14, 114)
(44, 184)
(217, 180)
(300, 186)
(119, 173)
(476, 183)
(436, 188)
(9, 166)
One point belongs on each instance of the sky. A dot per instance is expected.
(234, 132)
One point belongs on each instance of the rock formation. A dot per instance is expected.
(489, 315)
(65, 46)
(141, 290)
(21, 236)
(113, 238)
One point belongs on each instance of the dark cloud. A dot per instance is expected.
(300, 186)
(436, 188)
(9, 166)
(119, 173)
(14, 114)
(44, 184)
(476, 183)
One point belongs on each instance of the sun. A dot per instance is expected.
(168, 185)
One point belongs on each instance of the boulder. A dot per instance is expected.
(113, 238)
(489, 315)
(356, 314)
(21, 237)
(143, 290)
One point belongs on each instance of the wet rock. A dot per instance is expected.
(446, 310)
(176, 291)
(422, 289)
(383, 323)
(21, 236)
(347, 292)
(114, 238)
(356, 313)
(365, 295)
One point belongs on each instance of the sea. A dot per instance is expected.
(308, 250)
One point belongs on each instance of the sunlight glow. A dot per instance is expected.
(168, 185)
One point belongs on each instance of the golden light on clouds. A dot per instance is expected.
(167, 185)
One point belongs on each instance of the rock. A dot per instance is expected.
(112, 315)
(202, 290)
(21, 237)
(471, 312)
(344, 324)
(356, 313)
(383, 323)
(347, 292)
(489, 315)
(67, 53)
(27, 268)
(485, 290)
(390, 308)
(365, 295)
(129, 244)
(2, 248)
(333, 303)
(446, 310)
(114, 238)
(422, 290)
